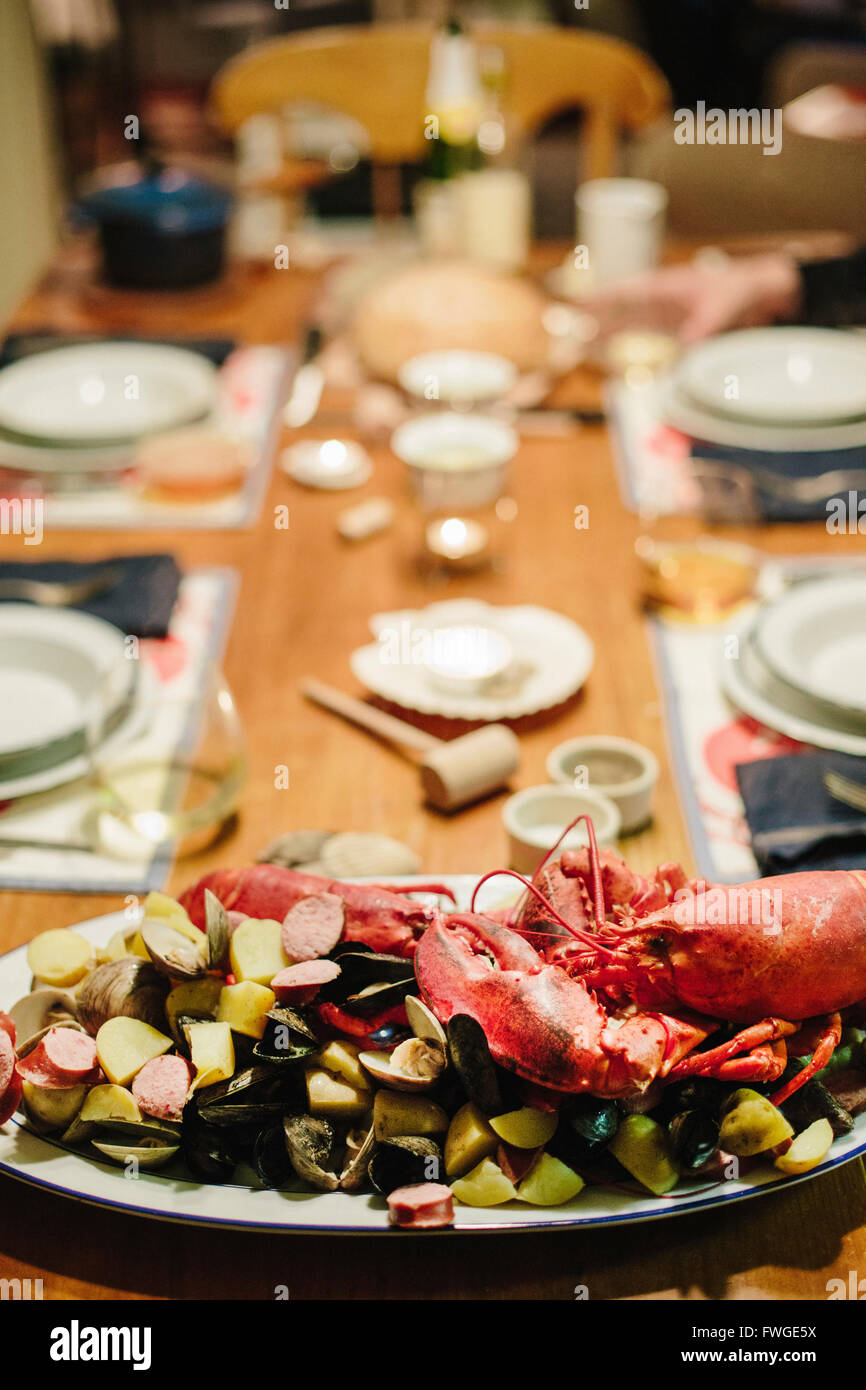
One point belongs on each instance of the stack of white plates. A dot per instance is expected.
(801, 668)
(64, 685)
(80, 410)
(776, 389)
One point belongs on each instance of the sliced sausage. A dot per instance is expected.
(162, 1086)
(423, 1205)
(70, 1053)
(299, 984)
(58, 1063)
(11, 1098)
(7, 1061)
(7, 1026)
(313, 926)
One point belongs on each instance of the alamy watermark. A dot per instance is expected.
(23, 516)
(737, 126)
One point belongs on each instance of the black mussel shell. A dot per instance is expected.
(271, 1158)
(694, 1138)
(287, 1037)
(360, 969)
(694, 1093)
(388, 1036)
(210, 1154)
(351, 948)
(592, 1120)
(403, 1162)
(471, 1059)
(375, 998)
(243, 1115)
(811, 1102)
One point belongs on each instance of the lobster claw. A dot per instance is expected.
(538, 1022)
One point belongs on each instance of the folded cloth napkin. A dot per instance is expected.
(19, 345)
(811, 464)
(795, 822)
(140, 602)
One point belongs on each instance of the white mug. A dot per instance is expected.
(621, 223)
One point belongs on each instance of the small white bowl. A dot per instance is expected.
(623, 771)
(464, 657)
(455, 461)
(457, 376)
(535, 817)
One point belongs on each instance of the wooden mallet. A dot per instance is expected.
(454, 772)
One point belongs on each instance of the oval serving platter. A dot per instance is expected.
(171, 1195)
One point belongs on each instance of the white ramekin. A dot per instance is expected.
(534, 817)
(632, 794)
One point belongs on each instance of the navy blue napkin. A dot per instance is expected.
(141, 601)
(794, 821)
(794, 465)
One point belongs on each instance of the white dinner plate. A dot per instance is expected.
(753, 689)
(677, 410)
(101, 392)
(814, 638)
(778, 376)
(552, 654)
(172, 1195)
(130, 720)
(53, 664)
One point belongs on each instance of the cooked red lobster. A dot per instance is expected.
(603, 981)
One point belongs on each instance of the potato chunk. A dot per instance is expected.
(527, 1128)
(244, 1007)
(341, 1058)
(333, 1096)
(397, 1113)
(484, 1186)
(123, 1045)
(211, 1051)
(60, 957)
(808, 1149)
(751, 1124)
(256, 951)
(470, 1139)
(640, 1145)
(549, 1183)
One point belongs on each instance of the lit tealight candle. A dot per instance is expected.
(327, 463)
(457, 540)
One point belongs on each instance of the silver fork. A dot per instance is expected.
(54, 594)
(843, 789)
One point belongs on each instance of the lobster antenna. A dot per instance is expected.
(579, 935)
(595, 863)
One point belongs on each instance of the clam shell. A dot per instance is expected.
(38, 1011)
(381, 1068)
(353, 855)
(218, 929)
(172, 954)
(294, 848)
(424, 1023)
(357, 1161)
(129, 986)
(147, 1154)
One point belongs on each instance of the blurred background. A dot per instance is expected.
(73, 70)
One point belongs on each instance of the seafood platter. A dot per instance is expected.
(281, 1050)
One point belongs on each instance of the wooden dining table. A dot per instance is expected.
(304, 604)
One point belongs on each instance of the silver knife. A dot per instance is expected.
(308, 384)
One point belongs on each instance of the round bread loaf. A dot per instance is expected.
(431, 306)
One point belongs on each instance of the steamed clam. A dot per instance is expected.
(142, 1143)
(172, 953)
(129, 986)
(39, 1011)
(414, 1065)
(218, 930)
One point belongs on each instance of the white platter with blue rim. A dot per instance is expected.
(171, 1195)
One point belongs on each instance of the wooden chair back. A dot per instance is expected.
(377, 75)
